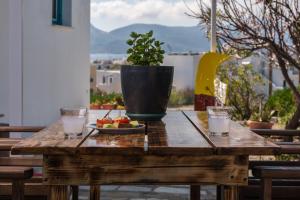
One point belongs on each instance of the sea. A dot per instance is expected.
(106, 56)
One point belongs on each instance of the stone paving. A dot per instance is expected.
(115, 192)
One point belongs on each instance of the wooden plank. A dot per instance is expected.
(21, 161)
(31, 189)
(51, 140)
(7, 143)
(275, 132)
(289, 147)
(148, 169)
(21, 128)
(240, 141)
(15, 172)
(175, 134)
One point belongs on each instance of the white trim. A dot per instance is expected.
(15, 63)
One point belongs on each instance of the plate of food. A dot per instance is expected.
(119, 125)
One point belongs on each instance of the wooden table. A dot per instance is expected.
(177, 150)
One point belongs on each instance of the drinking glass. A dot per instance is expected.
(74, 121)
(218, 120)
(73, 126)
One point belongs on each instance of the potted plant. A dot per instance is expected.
(146, 85)
(261, 120)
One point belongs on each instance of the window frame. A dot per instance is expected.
(57, 12)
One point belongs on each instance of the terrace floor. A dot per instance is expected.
(115, 192)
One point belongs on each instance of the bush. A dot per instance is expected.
(242, 89)
(100, 98)
(181, 98)
(283, 102)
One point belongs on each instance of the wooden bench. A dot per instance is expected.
(33, 187)
(277, 179)
(17, 175)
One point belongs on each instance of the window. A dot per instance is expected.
(110, 80)
(103, 79)
(62, 12)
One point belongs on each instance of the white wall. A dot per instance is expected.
(4, 59)
(184, 69)
(55, 61)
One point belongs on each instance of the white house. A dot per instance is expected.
(44, 58)
(109, 81)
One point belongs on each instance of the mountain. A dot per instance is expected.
(176, 39)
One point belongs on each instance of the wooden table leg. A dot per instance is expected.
(266, 189)
(58, 192)
(195, 192)
(230, 193)
(17, 190)
(220, 192)
(75, 192)
(95, 192)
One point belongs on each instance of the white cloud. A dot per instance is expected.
(111, 14)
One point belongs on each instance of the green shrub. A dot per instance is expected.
(181, 98)
(283, 102)
(241, 94)
(100, 97)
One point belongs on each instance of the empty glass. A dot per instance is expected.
(218, 120)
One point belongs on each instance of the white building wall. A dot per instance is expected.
(55, 61)
(184, 69)
(4, 60)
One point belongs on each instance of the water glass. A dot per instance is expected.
(74, 121)
(218, 120)
(73, 125)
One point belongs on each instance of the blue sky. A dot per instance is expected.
(110, 14)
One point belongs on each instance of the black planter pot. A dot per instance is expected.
(146, 91)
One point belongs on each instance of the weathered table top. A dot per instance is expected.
(179, 133)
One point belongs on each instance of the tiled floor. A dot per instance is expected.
(148, 192)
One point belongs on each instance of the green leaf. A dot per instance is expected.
(150, 34)
(134, 35)
(145, 49)
(130, 42)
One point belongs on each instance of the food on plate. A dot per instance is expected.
(122, 120)
(103, 121)
(119, 122)
(134, 123)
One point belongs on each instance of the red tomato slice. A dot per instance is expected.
(105, 121)
(122, 120)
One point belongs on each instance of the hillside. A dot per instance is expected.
(177, 39)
